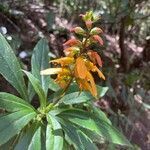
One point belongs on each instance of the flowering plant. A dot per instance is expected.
(80, 61)
(66, 117)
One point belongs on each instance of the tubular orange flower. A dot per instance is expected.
(84, 85)
(63, 61)
(81, 69)
(93, 68)
(92, 83)
(94, 57)
(98, 39)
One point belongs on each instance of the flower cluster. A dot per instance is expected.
(80, 60)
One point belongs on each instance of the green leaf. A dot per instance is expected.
(58, 93)
(101, 91)
(88, 144)
(99, 113)
(72, 134)
(100, 126)
(13, 103)
(74, 96)
(54, 135)
(92, 135)
(11, 124)
(10, 68)
(49, 137)
(53, 85)
(37, 87)
(75, 136)
(27, 140)
(8, 144)
(35, 143)
(40, 61)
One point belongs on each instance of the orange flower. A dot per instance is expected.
(98, 39)
(63, 80)
(79, 64)
(93, 68)
(72, 42)
(83, 76)
(63, 75)
(71, 51)
(64, 61)
(93, 89)
(80, 68)
(84, 85)
(94, 57)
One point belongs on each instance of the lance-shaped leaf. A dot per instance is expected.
(11, 124)
(40, 61)
(31, 139)
(37, 87)
(76, 137)
(54, 135)
(100, 126)
(13, 103)
(10, 68)
(71, 134)
(86, 141)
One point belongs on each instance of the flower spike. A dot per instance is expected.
(79, 62)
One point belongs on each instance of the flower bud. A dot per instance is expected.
(95, 58)
(78, 30)
(71, 51)
(96, 30)
(98, 39)
(72, 42)
(89, 24)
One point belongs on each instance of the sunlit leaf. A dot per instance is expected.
(54, 134)
(13, 103)
(95, 124)
(10, 68)
(37, 87)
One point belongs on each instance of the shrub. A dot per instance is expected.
(67, 118)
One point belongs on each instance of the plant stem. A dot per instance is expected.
(51, 105)
(63, 92)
